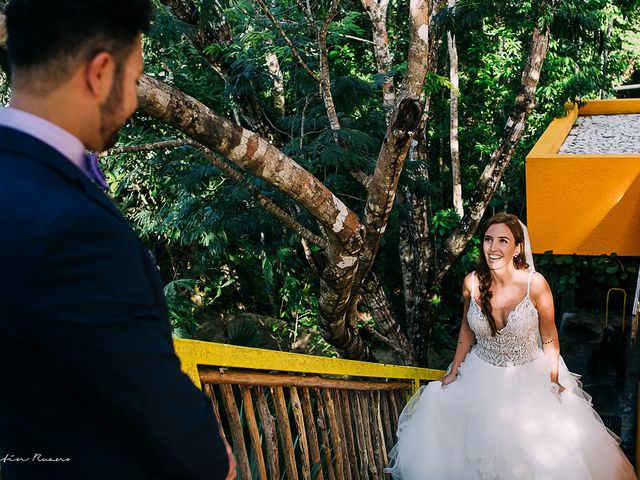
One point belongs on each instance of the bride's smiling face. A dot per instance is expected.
(499, 246)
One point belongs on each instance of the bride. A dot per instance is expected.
(507, 409)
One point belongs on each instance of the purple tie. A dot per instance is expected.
(95, 174)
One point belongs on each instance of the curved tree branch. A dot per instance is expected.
(250, 152)
(258, 157)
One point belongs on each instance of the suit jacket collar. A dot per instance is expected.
(23, 144)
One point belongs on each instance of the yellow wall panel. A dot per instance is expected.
(583, 204)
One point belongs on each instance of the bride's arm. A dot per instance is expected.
(466, 337)
(543, 300)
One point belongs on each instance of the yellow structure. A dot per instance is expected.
(194, 353)
(579, 203)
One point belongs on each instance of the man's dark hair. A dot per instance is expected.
(62, 33)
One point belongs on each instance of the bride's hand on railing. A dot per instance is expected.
(448, 379)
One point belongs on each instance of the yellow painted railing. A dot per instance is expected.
(194, 353)
(302, 416)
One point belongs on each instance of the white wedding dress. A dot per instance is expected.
(501, 419)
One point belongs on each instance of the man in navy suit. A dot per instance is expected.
(90, 386)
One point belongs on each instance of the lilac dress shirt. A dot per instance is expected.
(51, 134)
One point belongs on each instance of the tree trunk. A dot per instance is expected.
(403, 124)
(405, 250)
(417, 253)
(376, 300)
(377, 10)
(453, 120)
(421, 269)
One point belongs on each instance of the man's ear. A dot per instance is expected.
(99, 73)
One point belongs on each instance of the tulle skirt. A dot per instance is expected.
(505, 423)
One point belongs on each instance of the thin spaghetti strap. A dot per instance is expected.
(473, 284)
(529, 284)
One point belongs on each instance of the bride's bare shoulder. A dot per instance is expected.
(539, 284)
(469, 280)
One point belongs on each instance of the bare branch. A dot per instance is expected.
(325, 78)
(361, 177)
(403, 124)
(147, 147)
(306, 11)
(271, 207)
(302, 120)
(325, 85)
(357, 39)
(268, 204)
(288, 41)
(250, 152)
(309, 256)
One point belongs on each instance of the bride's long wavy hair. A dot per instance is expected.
(482, 270)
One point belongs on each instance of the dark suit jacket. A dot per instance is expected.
(88, 371)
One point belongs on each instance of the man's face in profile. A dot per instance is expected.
(122, 100)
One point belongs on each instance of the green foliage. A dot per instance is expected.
(219, 252)
(582, 281)
(443, 224)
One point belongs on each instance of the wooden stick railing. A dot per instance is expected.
(299, 416)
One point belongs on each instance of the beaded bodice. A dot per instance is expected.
(516, 343)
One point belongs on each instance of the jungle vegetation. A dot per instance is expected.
(309, 174)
